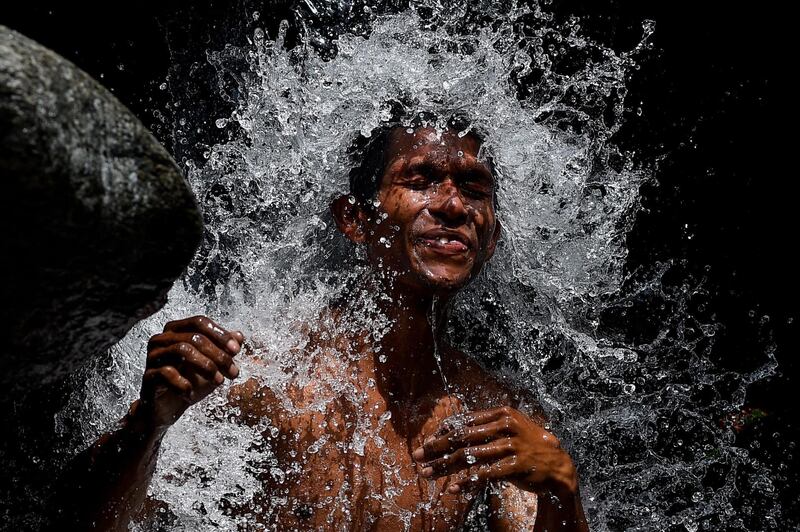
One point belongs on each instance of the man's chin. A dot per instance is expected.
(441, 277)
(444, 279)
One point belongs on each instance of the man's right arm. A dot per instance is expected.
(104, 487)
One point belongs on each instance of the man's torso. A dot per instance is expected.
(343, 453)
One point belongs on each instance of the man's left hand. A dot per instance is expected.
(498, 444)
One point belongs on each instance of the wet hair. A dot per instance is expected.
(369, 163)
(368, 153)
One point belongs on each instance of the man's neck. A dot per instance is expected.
(412, 354)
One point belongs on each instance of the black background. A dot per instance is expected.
(714, 108)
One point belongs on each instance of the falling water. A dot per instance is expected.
(436, 341)
(639, 413)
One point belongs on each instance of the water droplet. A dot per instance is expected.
(278, 474)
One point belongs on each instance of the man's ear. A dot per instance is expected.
(493, 241)
(350, 218)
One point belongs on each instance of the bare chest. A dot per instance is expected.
(350, 468)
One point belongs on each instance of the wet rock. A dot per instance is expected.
(97, 222)
(97, 219)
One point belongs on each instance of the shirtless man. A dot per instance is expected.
(441, 433)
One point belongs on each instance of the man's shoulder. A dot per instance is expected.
(312, 381)
(497, 388)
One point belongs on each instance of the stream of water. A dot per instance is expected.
(640, 416)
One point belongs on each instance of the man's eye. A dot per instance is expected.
(418, 183)
(475, 191)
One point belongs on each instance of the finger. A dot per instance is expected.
(169, 376)
(500, 469)
(223, 360)
(472, 418)
(204, 325)
(185, 355)
(458, 438)
(467, 457)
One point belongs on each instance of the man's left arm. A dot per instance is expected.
(503, 445)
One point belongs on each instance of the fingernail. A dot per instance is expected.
(233, 345)
(240, 335)
(427, 471)
(234, 371)
(427, 440)
(218, 377)
(454, 488)
(418, 454)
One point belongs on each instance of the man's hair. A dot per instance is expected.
(368, 153)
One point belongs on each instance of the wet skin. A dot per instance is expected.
(437, 213)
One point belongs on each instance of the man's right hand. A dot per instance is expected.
(185, 363)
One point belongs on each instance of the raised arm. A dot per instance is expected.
(106, 485)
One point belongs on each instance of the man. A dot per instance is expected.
(390, 434)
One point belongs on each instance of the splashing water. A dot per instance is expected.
(638, 412)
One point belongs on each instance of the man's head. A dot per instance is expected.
(424, 206)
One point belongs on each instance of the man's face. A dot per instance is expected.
(435, 226)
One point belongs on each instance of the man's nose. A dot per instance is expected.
(448, 203)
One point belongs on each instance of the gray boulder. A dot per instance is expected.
(97, 219)
(97, 222)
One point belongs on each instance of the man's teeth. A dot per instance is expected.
(443, 241)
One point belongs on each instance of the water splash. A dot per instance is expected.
(639, 412)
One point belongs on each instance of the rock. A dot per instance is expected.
(98, 220)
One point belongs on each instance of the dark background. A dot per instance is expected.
(714, 113)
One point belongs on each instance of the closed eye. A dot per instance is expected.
(420, 176)
(476, 191)
(418, 183)
(477, 184)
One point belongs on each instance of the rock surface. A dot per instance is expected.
(97, 222)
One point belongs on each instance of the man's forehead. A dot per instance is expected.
(421, 141)
(403, 139)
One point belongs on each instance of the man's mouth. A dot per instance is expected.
(445, 242)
